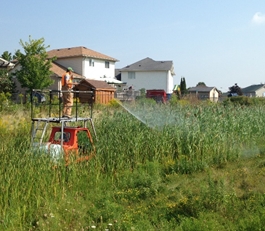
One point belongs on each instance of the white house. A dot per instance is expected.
(257, 90)
(149, 74)
(85, 62)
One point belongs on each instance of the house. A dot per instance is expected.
(103, 91)
(204, 92)
(257, 90)
(85, 62)
(149, 74)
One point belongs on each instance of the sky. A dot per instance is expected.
(218, 42)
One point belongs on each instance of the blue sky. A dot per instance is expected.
(219, 42)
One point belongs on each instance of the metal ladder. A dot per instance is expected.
(38, 129)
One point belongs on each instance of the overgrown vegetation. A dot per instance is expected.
(158, 167)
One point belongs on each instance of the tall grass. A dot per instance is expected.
(177, 168)
(193, 138)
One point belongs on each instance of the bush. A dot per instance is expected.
(244, 101)
(114, 103)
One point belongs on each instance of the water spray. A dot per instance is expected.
(128, 110)
(157, 117)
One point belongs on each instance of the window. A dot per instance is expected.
(91, 62)
(131, 75)
(84, 143)
(66, 136)
(106, 64)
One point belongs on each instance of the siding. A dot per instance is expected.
(150, 80)
(99, 69)
(81, 67)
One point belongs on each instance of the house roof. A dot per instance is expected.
(60, 70)
(97, 84)
(5, 64)
(200, 89)
(118, 74)
(252, 88)
(149, 64)
(77, 52)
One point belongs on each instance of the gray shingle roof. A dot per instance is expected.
(148, 64)
(118, 74)
(252, 88)
(200, 89)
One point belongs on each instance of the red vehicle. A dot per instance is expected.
(74, 144)
(71, 141)
(158, 95)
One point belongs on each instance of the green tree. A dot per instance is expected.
(7, 85)
(35, 66)
(235, 91)
(7, 56)
(202, 84)
(183, 87)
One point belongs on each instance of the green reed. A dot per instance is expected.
(127, 180)
(194, 137)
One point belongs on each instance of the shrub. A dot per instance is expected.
(114, 103)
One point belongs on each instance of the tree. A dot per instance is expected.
(202, 84)
(7, 85)
(7, 56)
(35, 66)
(235, 91)
(183, 88)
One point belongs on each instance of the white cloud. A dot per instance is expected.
(258, 18)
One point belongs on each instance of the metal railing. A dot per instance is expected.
(53, 98)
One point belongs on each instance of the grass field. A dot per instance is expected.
(157, 167)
